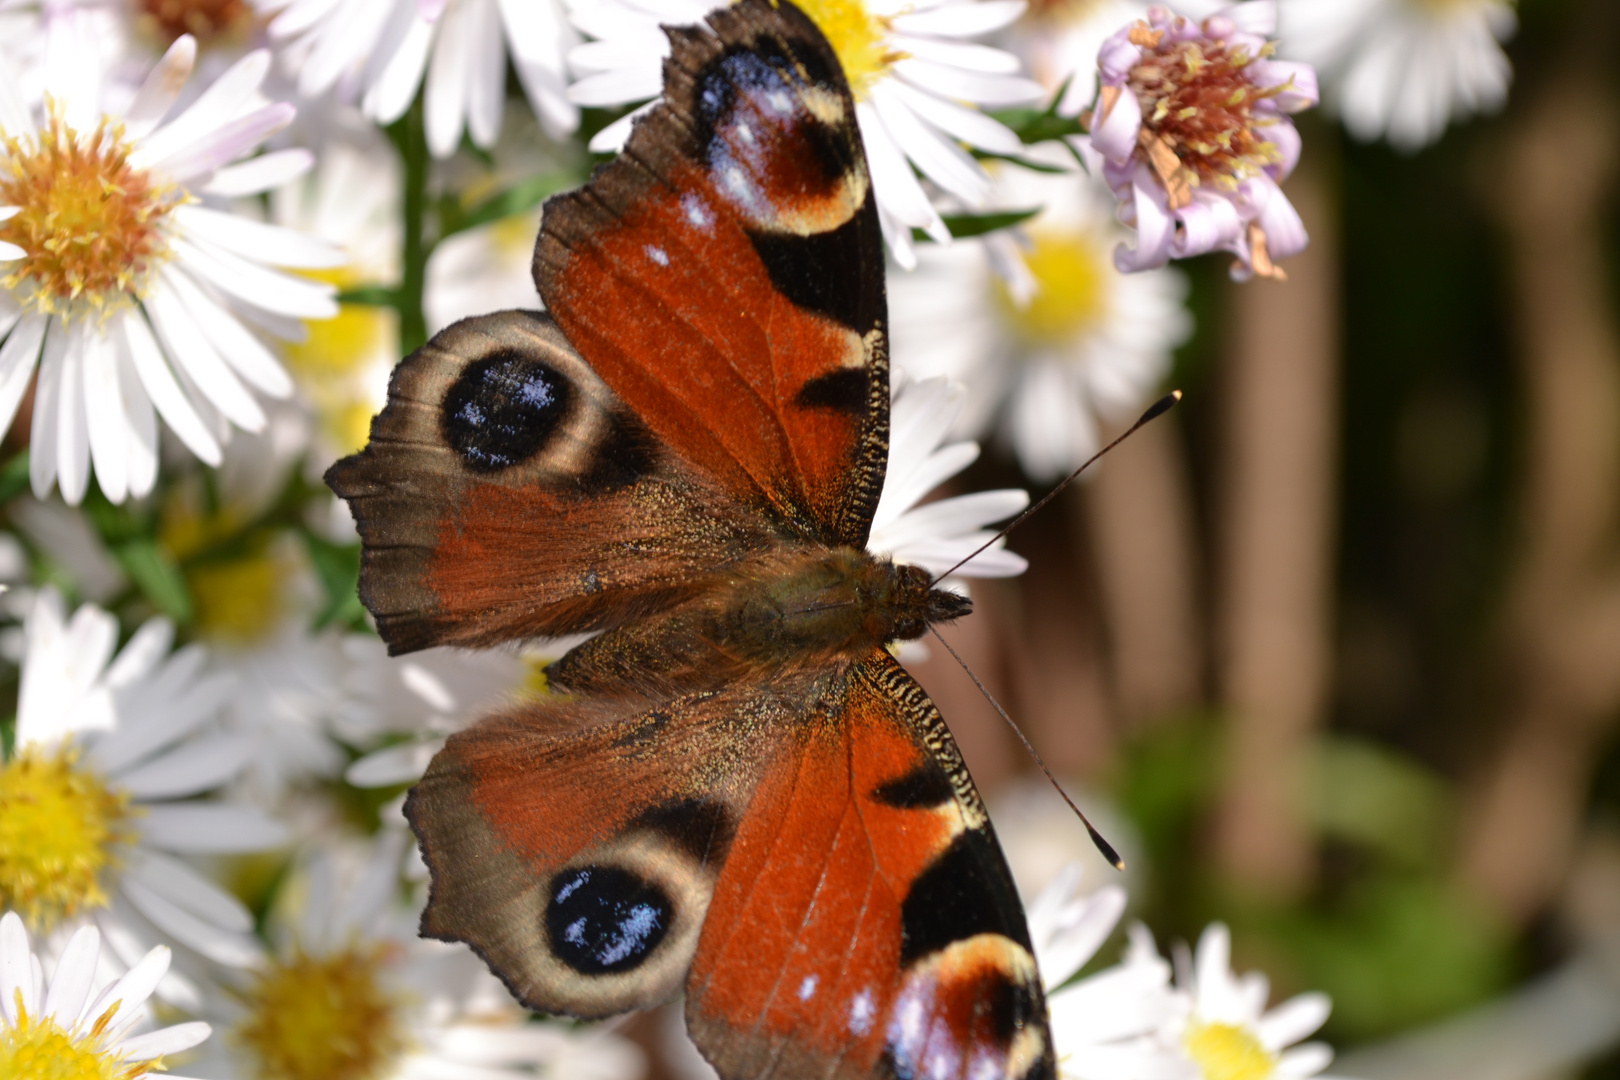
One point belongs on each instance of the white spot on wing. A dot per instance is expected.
(657, 254)
(697, 212)
(861, 1012)
(807, 989)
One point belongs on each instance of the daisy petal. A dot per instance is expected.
(246, 355)
(210, 828)
(215, 107)
(18, 357)
(169, 1040)
(254, 284)
(197, 359)
(1293, 1020)
(47, 409)
(219, 945)
(16, 969)
(263, 173)
(195, 767)
(104, 414)
(162, 87)
(165, 393)
(226, 143)
(128, 995)
(70, 983)
(962, 20)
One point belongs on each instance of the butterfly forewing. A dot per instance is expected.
(725, 274)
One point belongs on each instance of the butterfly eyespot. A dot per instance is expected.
(603, 920)
(504, 409)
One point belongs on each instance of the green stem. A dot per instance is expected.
(410, 138)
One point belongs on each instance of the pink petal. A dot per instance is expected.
(1302, 92)
(1114, 129)
(1155, 228)
(1209, 222)
(1116, 58)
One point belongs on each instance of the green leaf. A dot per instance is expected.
(338, 567)
(517, 199)
(1042, 125)
(157, 576)
(14, 476)
(963, 226)
(370, 295)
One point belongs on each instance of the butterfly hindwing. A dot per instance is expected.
(865, 924)
(808, 856)
(575, 843)
(507, 492)
(725, 273)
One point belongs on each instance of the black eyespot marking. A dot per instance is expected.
(959, 896)
(823, 272)
(702, 828)
(603, 920)
(923, 787)
(843, 390)
(504, 409)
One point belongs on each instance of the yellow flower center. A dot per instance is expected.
(59, 825)
(238, 601)
(325, 1018)
(858, 37)
(1072, 270)
(1228, 1052)
(92, 226)
(206, 20)
(331, 363)
(43, 1050)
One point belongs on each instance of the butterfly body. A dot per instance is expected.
(793, 607)
(734, 790)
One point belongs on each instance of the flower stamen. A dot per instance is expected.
(60, 826)
(92, 226)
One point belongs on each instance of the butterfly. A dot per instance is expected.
(734, 790)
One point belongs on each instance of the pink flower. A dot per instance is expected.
(1192, 125)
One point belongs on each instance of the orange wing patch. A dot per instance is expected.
(864, 924)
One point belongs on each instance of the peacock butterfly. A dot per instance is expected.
(735, 791)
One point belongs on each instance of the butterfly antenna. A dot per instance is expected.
(1156, 410)
(1103, 845)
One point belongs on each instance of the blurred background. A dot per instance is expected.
(1335, 646)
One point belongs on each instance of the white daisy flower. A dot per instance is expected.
(482, 270)
(385, 49)
(1104, 1026)
(426, 696)
(106, 787)
(1192, 125)
(351, 991)
(1076, 344)
(350, 199)
(939, 534)
(916, 74)
(65, 1027)
(133, 293)
(1229, 1034)
(1404, 69)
